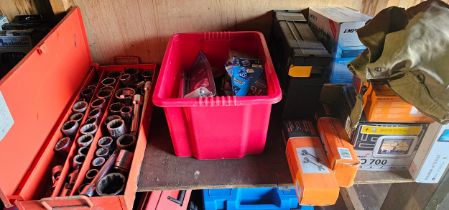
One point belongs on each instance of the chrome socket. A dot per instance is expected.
(91, 174)
(87, 93)
(89, 129)
(98, 103)
(77, 117)
(108, 81)
(85, 140)
(124, 161)
(91, 120)
(110, 118)
(78, 161)
(79, 106)
(69, 128)
(83, 151)
(96, 113)
(126, 113)
(111, 184)
(102, 152)
(105, 92)
(63, 146)
(116, 128)
(125, 95)
(106, 142)
(126, 142)
(114, 109)
(98, 162)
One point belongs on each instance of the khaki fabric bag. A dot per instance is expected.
(409, 50)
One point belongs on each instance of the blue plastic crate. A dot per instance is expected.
(264, 198)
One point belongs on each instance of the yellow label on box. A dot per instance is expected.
(381, 130)
(299, 71)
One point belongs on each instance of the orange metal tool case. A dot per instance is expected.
(36, 98)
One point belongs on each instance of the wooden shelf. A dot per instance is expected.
(162, 170)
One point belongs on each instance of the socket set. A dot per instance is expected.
(99, 136)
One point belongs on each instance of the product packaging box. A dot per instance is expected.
(432, 157)
(336, 27)
(341, 155)
(340, 73)
(382, 104)
(315, 183)
(3, 20)
(380, 146)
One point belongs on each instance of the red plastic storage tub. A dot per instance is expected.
(222, 126)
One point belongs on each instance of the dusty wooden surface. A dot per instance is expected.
(363, 196)
(162, 170)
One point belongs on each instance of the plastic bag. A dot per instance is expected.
(199, 81)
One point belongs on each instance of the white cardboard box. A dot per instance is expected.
(432, 157)
(336, 28)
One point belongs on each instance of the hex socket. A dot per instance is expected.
(85, 140)
(116, 128)
(78, 160)
(114, 109)
(77, 117)
(98, 103)
(126, 113)
(126, 142)
(110, 118)
(93, 87)
(89, 129)
(104, 93)
(87, 93)
(79, 106)
(108, 81)
(94, 113)
(56, 173)
(91, 173)
(125, 79)
(111, 184)
(106, 142)
(63, 146)
(131, 71)
(124, 161)
(91, 120)
(98, 162)
(125, 95)
(114, 74)
(69, 128)
(102, 152)
(83, 151)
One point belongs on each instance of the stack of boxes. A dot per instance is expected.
(336, 27)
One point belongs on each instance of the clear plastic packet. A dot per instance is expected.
(199, 81)
(244, 72)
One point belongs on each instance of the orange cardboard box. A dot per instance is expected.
(383, 105)
(340, 153)
(314, 182)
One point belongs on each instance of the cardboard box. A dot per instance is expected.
(383, 105)
(3, 20)
(380, 146)
(339, 73)
(336, 27)
(340, 153)
(432, 157)
(315, 183)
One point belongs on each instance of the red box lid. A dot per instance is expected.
(37, 91)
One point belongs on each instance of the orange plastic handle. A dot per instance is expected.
(121, 60)
(46, 202)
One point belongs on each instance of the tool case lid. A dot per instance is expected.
(299, 36)
(36, 93)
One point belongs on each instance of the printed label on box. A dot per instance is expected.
(344, 153)
(6, 120)
(311, 160)
(380, 130)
